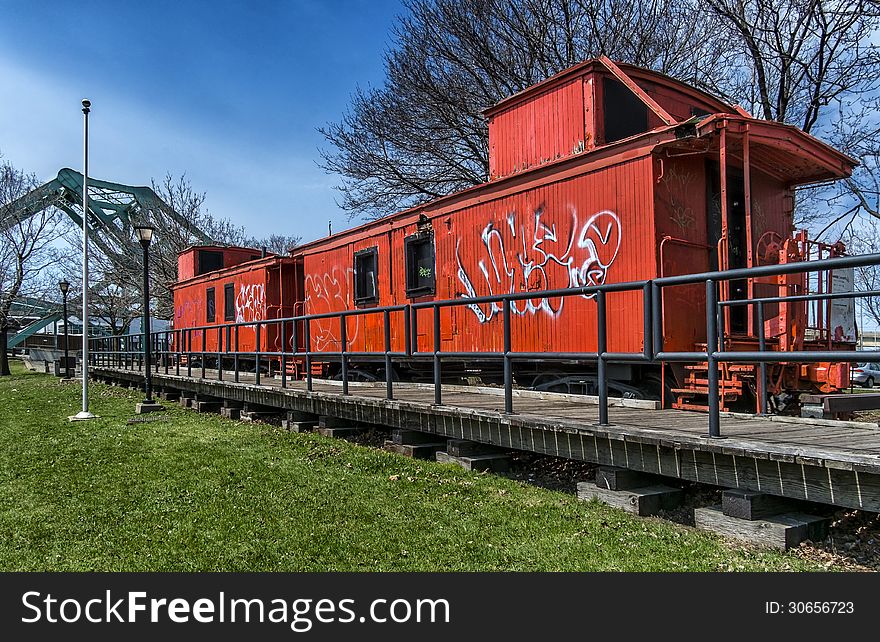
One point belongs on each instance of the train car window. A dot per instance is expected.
(209, 260)
(420, 269)
(625, 114)
(229, 302)
(366, 271)
(210, 307)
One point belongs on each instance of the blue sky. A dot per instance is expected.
(229, 92)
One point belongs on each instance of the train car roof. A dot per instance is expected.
(219, 246)
(604, 64)
(244, 266)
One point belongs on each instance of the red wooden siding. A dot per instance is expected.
(187, 261)
(257, 296)
(565, 117)
(548, 127)
(585, 230)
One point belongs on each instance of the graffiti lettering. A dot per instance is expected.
(528, 257)
(250, 302)
(328, 292)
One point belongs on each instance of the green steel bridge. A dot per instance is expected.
(113, 210)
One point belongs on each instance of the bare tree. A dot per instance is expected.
(866, 241)
(179, 194)
(422, 134)
(116, 305)
(26, 251)
(276, 243)
(117, 283)
(812, 63)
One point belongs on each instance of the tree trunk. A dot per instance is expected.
(4, 358)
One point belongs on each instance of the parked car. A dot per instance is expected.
(866, 374)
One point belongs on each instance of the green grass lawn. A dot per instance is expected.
(200, 493)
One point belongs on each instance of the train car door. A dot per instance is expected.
(733, 252)
(299, 295)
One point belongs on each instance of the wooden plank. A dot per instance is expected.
(493, 463)
(466, 448)
(416, 451)
(779, 531)
(644, 501)
(614, 478)
(751, 505)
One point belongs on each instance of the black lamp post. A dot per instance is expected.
(144, 234)
(64, 286)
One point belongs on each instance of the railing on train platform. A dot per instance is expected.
(171, 346)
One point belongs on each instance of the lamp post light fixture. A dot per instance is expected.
(64, 286)
(144, 233)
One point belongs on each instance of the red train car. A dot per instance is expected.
(604, 173)
(248, 286)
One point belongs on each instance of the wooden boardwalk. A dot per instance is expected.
(812, 459)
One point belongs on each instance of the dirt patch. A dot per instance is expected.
(555, 473)
(853, 542)
(373, 437)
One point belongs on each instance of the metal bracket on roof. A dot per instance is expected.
(630, 84)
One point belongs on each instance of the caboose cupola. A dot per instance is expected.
(592, 104)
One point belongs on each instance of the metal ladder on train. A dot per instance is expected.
(695, 393)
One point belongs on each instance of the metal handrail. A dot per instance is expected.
(652, 352)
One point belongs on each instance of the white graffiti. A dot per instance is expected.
(542, 257)
(250, 302)
(328, 292)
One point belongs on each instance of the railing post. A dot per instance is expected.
(343, 346)
(601, 349)
(389, 386)
(508, 366)
(220, 329)
(294, 340)
(647, 321)
(227, 338)
(179, 349)
(167, 351)
(204, 347)
(414, 331)
(283, 334)
(189, 355)
(257, 348)
(762, 367)
(407, 330)
(712, 364)
(307, 340)
(438, 388)
(657, 318)
(235, 357)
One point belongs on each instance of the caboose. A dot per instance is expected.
(603, 173)
(222, 285)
